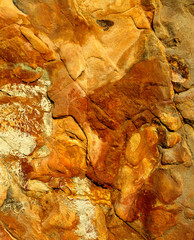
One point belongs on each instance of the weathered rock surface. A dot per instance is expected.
(96, 120)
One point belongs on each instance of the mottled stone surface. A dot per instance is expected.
(96, 120)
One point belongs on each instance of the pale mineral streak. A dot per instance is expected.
(96, 120)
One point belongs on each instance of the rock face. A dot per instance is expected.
(96, 120)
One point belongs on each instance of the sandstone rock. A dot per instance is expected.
(128, 86)
(26, 75)
(187, 198)
(73, 58)
(3, 234)
(92, 94)
(75, 103)
(185, 104)
(65, 152)
(159, 221)
(172, 139)
(190, 136)
(5, 183)
(174, 189)
(10, 6)
(60, 217)
(171, 25)
(23, 109)
(143, 118)
(189, 213)
(120, 230)
(58, 75)
(38, 186)
(168, 115)
(180, 74)
(181, 231)
(139, 165)
(139, 141)
(12, 40)
(177, 154)
(167, 139)
(36, 43)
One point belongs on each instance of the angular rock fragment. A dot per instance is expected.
(94, 101)
(185, 104)
(177, 154)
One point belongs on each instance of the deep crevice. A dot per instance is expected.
(19, 5)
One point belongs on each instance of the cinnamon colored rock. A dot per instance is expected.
(96, 120)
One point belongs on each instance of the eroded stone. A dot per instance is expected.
(110, 79)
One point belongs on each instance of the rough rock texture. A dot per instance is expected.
(96, 120)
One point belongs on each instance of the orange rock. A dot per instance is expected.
(181, 231)
(16, 49)
(137, 168)
(167, 139)
(137, 97)
(189, 213)
(177, 154)
(74, 103)
(65, 153)
(120, 230)
(108, 144)
(143, 118)
(59, 77)
(168, 115)
(184, 102)
(4, 234)
(26, 75)
(159, 221)
(141, 145)
(36, 43)
(175, 186)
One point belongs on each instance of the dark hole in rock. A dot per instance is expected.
(178, 65)
(174, 42)
(106, 24)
